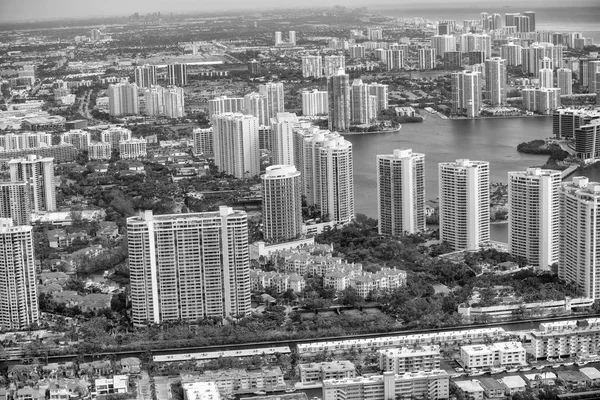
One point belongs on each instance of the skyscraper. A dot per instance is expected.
(154, 101)
(579, 255)
(255, 104)
(235, 142)
(173, 101)
(546, 78)
(360, 103)
(282, 127)
(338, 92)
(426, 58)
(312, 67)
(123, 99)
(531, 16)
(273, 94)
(15, 202)
(475, 42)
(80, 139)
(443, 43)
(18, 297)
(224, 104)
(464, 203)
(39, 174)
(177, 74)
(587, 141)
(328, 175)
(278, 38)
(188, 266)
(332, 64)
(511, 52)
(292, 37)
(466, 93)
(145, 76)
(394, 60)
(114, 135)
(522, 23)
(282, 203)
(495, 81)
(314, 103)
(534, 216)
(357, 51)
(380, 92)
(401, 192)
(203, 141)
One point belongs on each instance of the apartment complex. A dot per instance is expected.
(132, 148)
(404, 359)
(282, 203)
(15, 202)
(39, 174)
(318, 372)
(566, 338)
(494, 355)
(203, 141)
(338, 92)
(235, 143)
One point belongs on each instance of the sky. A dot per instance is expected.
(28, 10)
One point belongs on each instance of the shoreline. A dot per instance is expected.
(498, 117)
(370, 133)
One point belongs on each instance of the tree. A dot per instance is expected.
(349, 296)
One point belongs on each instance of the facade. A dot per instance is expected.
(203, 141)
(273, 94)
(145, 76)
(256, 105)
(171, 280)
(511, 52)
(401, 192)
(312, 67)
(314, 103)
(177, 74)
(361, 105)
(15, 202)
(235, 142)
(546, 76)
(39, 174)
(541, 100)
(328, 175)
(99, 151)
(466, 93)
(476, 42)
(282, 149)
(495, 81)
(426, 58)
(395, 60)
(534, 216)
(499, 354)
(173, 101)
(25, 140)
(224, 104)
(432, 385)
(338, 92)
(78, 138)
(566, 338)
(404, 359)
(380, 92)
(443, 43)
(332, 64)
(579, 261)
(18, 299)
(464, 203)
(566, 120)
(123, 99)
(115, 135)
(587, 141)
(318, 372)
(564, 81)
(240, 380)
(132, 148)
(282, 203)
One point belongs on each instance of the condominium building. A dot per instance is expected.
(464, 196)
(566, 120)
(494, 355)
(188, 266)
(471, 42)
(312, 66)
(39, 174)
(357, 51)
(282, 149)
(99, 151)
(432, 385)
(542, 100)
(132, 148)
(332, 64)
(318, 372)
(566, 338)
(380, 101)
(328, 175)
(18, 297)
(564, 81)
(123, 99)
(546, 76)
(224, 104)
(173, 100)
(256, 105)
(534, 216)
(426, 58)
(495, 81)
(15, 202)
(80, 139)
(587, 141)
(177, 74)
(404, 359)
(314, 103)
(466, 93)
(338, 92)
(579, 260)
(401, 192)
(115, 135)
(273, 94)
(282, 203)
(24, 140)
(363, 109)
(145, 76)
(235, 142)
(240, 380)
(395, 60)
(511, 52)
(203, 141)
(443, 43)
(154, 101)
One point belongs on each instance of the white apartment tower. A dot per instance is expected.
(273, 94)
(235, 142)
(173, 101)
(534, 216)
(401, 192)
(579, 260)
(80, 139)
(132, 149)
(177, 74)
(312, 67)
(338, 92)
(15, 202)
(495, 81)
(256, 105)
(115, 135)
(564, 80)
(282, 203)
(123, 99)
(224, 104)
(145, 76)
(203, 141)
(188, 266)
(39, 173)
(314, 103)
(99, 151)
(282, 127)
(464, 203)
(466, 93)
(332, 64)
(18, 297)
(426, 58)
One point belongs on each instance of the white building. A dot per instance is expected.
(274, 101)
(123, 99)
(534, 216)
(99, 151)
(499, 354)
(404, 359)
(15, 202)
(224, 104)
(282, 126)
(443, 43)
(466, 93)
(426, 58)
(188, 266)
(282, 203)
(464, 203)
(564, 81)
(401, 192)
(495, 81)
(114, 135)
(203, 141)
(133, 148)
(39, 173)
(318, 372)
(255, 104)
(80, 139)
(312, 67)
(314, 103)
(200, 391)
(235, 143)
(332, 64)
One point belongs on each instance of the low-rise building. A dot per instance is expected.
(496, 354)
(592, 375)
(513, 384)
(239, 380)
(114, 385)
(200, 391)
(472, 389)
(492, 389)
(572, 379)
(404, 359)
(318, 372)
(540, 379)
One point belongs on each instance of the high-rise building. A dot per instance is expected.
(464, 203)
(255, 104)
(495, 21)
(380, 91)
(273, 94)
(579, 255)
(15, 202)
(177, 74)
(132, 149)
(282, 131)
(443, 43)
(453, 60)
(401, 192)
(471, 42)
(374, 34)
(292, 37)
(278, 38)
(99, 151)
(114, 135)
(592, 72)
(495, 81)
(80, 139)
(173, 101)
(123, 99)
(531, 16)
(314, 103)
(466, 93)
(39, 174)
(188, 266)
(426, 58)
(394, 60)
(328, 175)
(224, 104)
(534, 216)
(587, 141)
(338, 92)
(312, 67)
(360, 105)
(154, 101)
(235, 142)
(564, 81)
(281, 203)
(332, 64)
(510, 19)
(145, 76)
(522, 23)
(357, 51)
(511, 52)
(444, 28)
(566, 120)
(542, 100)
(203, 141)
(18, 297)
(546, 78)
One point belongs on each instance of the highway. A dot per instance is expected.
(528, 324)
